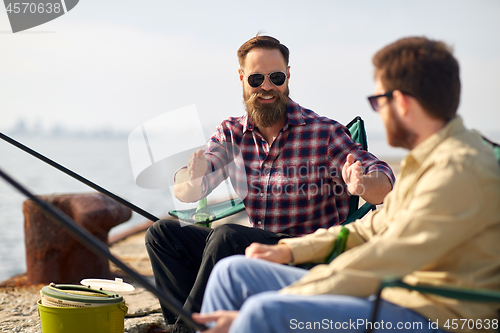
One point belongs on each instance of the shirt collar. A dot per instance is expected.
(420, 152)
(294, 117)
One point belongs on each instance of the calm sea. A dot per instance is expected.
(104, 161)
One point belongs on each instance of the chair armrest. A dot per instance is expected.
(218, 211)
(362, 211)
(465, 294)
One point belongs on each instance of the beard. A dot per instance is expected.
(266, 114)
(397, 133)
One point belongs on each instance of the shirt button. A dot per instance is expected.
(262, 194)
(259, 223)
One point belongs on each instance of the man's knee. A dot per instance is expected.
(257, 308)
(168, 233)
(232, 264)
(227, 235)
(221, 233)
(159, 229)
(235, 269)
(227, 273)
(150, 235)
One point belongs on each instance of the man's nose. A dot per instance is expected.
(267, 85)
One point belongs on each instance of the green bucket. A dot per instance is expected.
(78, 309)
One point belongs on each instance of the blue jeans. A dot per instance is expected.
(251, 285)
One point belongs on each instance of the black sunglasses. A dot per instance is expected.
(374, 100)
(256, 80)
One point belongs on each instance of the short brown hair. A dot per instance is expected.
(423, 68)
(264, 42)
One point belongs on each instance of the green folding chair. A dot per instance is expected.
(206, 214)
(358, 133)
(462, 294)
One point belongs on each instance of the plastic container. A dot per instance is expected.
(80, 309)
(102, 319)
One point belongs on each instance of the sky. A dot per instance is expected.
(117, 64)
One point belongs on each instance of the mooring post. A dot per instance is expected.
(52, 255)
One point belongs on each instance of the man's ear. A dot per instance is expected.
(288, 72)
(401, 102)
(241, 75)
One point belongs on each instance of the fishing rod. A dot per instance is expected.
(99, 248)
(87, 182)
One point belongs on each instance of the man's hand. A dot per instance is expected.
(372, 187)
(279, 253)
(353, 175)
(197, 167)
(188, 181)
(224, 319)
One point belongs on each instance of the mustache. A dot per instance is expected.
(260, 94)
(253, 98)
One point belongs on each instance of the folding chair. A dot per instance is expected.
(206, 214)
(358, 133)
(463, 294)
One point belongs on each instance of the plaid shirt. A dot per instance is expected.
(294, 185)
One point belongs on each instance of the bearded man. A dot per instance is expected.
(293, 169)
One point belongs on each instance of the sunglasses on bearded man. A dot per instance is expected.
(257, 79)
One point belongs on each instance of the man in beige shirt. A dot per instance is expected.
(440, 225)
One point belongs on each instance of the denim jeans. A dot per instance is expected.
(251, 286)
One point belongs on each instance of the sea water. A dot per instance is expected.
(103, 160)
